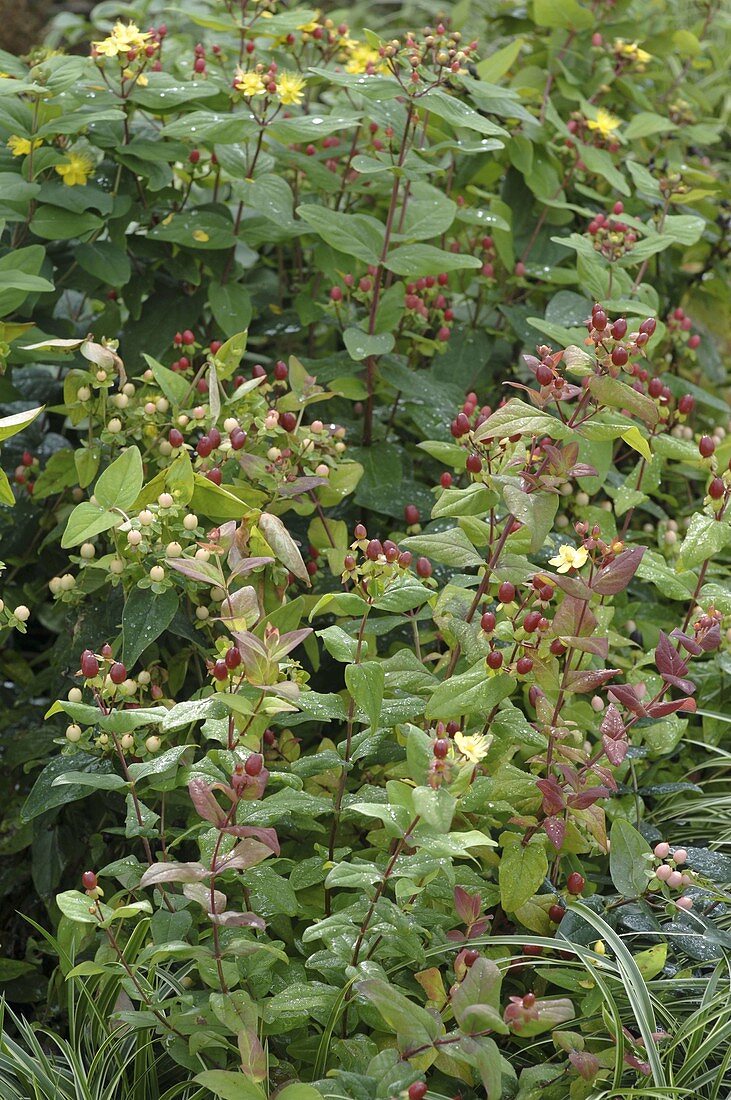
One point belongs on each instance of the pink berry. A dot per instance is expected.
(662, 850)
(674, 880)
(664, 872)
(684, 903)
(680, 856)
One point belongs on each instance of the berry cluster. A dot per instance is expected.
(612, 238)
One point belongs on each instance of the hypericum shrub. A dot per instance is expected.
(356, 725)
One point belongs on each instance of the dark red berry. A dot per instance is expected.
(446, 480)
(531, 621)
(599, 320)
(655, 387)
(619, 328)
(506, 592)
(360, 532)
(620, 355)
(188, 337)
(474, 463)
(557, 647)
(288, 421)
(452, 728)
(716, 489)
(424, 567)
(238, 439)
(199, 64)
(280, 371)
(349, 562)
(89, 880)
(471, 956)
(487, 622)
(89, 664)
(575, 883)
(532, 949)
(495, 659)
(686, 404)
(544, 375)
(214, 437)
(418, 1090)
(460, 425)
(556, 913)
(524, 665)
(220, 670)
(254, 764)
(106, 650)
(405, 558)
(374, 549)
(117, 673)
(648, 326)
(706, 446)
(257, 371)
(194, 156)
(175, 438)
(529, 999)
(694, 341)
(441, 747)
(215, 476)
(233, 657)
(204, 446)
(411, 514)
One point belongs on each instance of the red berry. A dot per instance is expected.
(418, 1090)
(215, 437)
(215, 476)
(686, 404)
(220, 670)
(716, 489)
(204, 446)
(520, 269)
(281, 371)
(27, 459)
(706, 446)
(336, 294)
(460, 425)
(474, 463)
(106, 650)
(619, 328)
(556, 913)
(487, 622)
(349, 562)
(374, 549)
(471, 956)
(254, 763)
(544, 375)
(360, 532)
(532, 949)
(531, 621)
(288, 421)
(424, 568)
(495, 659)
(183, 362)
(89, 665)
(194, 156)
(557, 647)
(446, 480)
(620, 355)
(411, 514)
(524, 665)
(215, 346)
(444, 334)
(599, 320)
(117, 673)
(89, 880)
(199, 64)
(618, 208)
(506, 592)
(694, 341)
(655, 387)
(238, 439)
(575, 883)
(233, 657)
(648, 326)
(257, 371)
(175, 438)
(405, 558)
(441, 747)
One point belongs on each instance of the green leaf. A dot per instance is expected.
(436, 806)
(705, 536)
(627, 864)
(425, 259)
(447, 547)
(105, 261)
(146, 615)
(472, 692)
(79, 908)
(174, 386)
(476, 1000)
(618, 395)
(230, 1086)
(646, 123)
(361, 345)
(231, 307)
(359, 235)
(121, 482)
(491, 68)
(516, 417)
(523, 868)
(365, 682)
(459, 114)
(562, 13)
(88, 520)
(17, 422)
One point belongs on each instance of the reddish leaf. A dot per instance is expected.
(467, 905)
(628, 697)
(615, 577)
(588, 797)
(590, 680)
(555, 828)
(174, 872)
(265, 836)
(231, 919)
(612, 724)
(553, 796)
(615, 750)
(247, 853)
(659, 710)
(202, 798)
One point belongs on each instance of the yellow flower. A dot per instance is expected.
(308, 28)
(604, 123)
(76, 170)
(631, 51)
(200, 235)
(363, 59)
(569, 557)
(250, 84)
(122, 39)
(290, 89)
(20, 147)
(473, 746)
